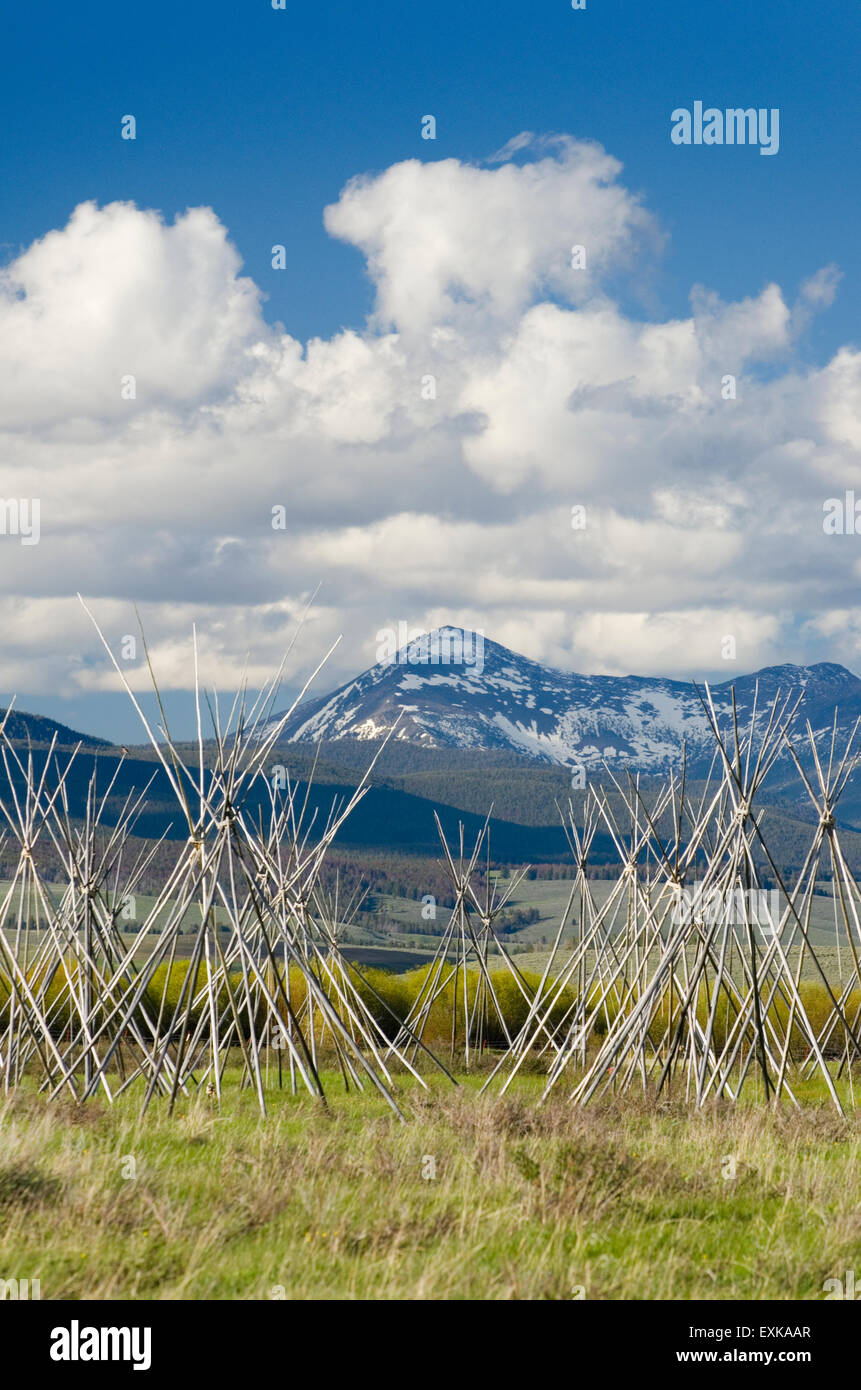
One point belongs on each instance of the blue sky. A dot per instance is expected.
(264, 116)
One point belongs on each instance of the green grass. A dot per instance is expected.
(624, 1200)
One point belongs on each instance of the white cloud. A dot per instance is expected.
(449, 242)
(116, 292)
(704, 514)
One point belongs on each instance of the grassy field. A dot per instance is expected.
(403, 935)
(549, 898)
(475, 1198)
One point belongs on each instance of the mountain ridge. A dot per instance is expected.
(39, 729)
(507, 701)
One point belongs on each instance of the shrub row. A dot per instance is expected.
(389, 999)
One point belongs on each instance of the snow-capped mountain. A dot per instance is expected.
(457, 690)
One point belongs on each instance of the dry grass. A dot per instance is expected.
(627, 1200)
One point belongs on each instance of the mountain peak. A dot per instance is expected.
(453, 687)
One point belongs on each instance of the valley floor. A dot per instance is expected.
(477, 1197)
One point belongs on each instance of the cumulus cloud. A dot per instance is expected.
(117, 291)
(428, 464)
(448, 242)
